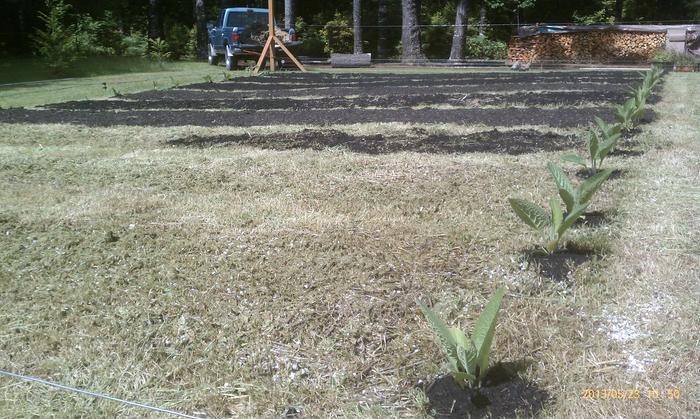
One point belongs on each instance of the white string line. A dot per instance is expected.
(93, 394)
(486, 24)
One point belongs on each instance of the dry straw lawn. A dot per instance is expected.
(238, 282)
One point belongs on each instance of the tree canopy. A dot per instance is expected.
(171, 19)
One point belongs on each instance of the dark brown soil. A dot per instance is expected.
(561, 118)
(201, 100)
(503, 395)
(592, 219)
(323, 99)
(494, 141)
(626, 153)
(585, 174)
(342, 81)
(559, 265)
(219, 93)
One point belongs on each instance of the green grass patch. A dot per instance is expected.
(140, 76)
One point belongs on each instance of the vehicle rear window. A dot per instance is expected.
(246, 19)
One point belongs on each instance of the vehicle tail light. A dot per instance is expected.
(235, 37)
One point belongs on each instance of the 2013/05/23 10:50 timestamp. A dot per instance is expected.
(630, 394)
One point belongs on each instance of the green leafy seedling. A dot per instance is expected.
(553, 225)
(624, 113)
(601, 140)
(640, 100)
(582, 194)
(467, 357)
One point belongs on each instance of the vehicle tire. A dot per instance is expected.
(212, 59)
(231, 62)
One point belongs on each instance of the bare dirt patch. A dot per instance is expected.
(417, 140)
(558, 266)
(502, 395)
(560, 118)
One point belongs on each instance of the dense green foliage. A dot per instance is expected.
(337, 35)
(102, 26)
(467, 356)
(483, 47)
(56, 42)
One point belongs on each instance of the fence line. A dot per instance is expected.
(94, 394)
(521, 24)
(478, 24)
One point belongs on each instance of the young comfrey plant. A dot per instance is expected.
(554, 224)
(467, 356)
(631, 112)
(602, 139)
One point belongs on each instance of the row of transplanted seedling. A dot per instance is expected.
(468, 356)
(602, 139)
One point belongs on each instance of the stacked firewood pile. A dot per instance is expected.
(600, 47)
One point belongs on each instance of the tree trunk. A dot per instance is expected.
(289, 18)
(357, 26)
(410, 31)
(459, 37)
(202, 31)
(618, 11)
(382, 30)
(482, 18)
(154, 21)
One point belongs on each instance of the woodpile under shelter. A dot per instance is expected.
(600, 43)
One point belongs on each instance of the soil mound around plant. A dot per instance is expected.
(593, 219)
(502, 395)
(558, 266)
(494, 141)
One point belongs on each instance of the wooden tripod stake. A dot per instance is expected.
(270, 44)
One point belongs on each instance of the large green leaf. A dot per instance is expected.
(638, 112)
(587, 188)
(467, 358)
(484, 330)
(605, 128)
(566, 191)
(571, 219)
(447, 342)
(557, 215)
(621, 115)
(606, 146)
(531, 214)
(574, 158)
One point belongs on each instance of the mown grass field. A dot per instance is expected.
(24, 83)
(242, 277)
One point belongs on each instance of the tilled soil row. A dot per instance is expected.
(563, 118)
(390, 101)
(243, 85)
(282, 79)
(417, 140)
(186, 93)
(612, 76)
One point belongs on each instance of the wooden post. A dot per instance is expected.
(271, 28)
(270, 44)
